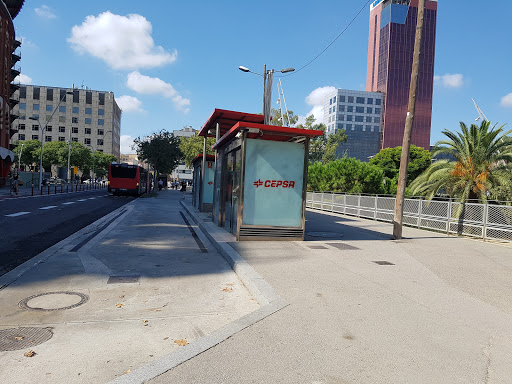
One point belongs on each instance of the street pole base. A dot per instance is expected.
(397, 231)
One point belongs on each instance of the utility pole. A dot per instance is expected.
(404, 160)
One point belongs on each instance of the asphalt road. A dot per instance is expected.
(31, 225)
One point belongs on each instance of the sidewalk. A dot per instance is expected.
(136, 285)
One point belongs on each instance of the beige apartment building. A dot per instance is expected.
(92, 118)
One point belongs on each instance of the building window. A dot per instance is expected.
(101, 112)
(350, 108)
(101, 99)
(341, 117)
(21, 127)
(359, 119)
(49, 128)
(62, 119)
(88, 111)
(369, 119)
(349, 117)
(35, 107)
(74, 130)
(100, 142)
(334, 99)
(349, 126)
(47, 138)
(62, 109)
(36, 93)
(330, 101)
(369, 127)
(101, 122)
(341, 108)
(74, 120)
(101, 132)
(62, 95)
(88, 120)
(36, 117)
(350, 99)
(87, 141)
(100, 150)
(359, 109)
(360, 100)
(376, 119)
(48, 118)
(62, 129)
(369, 100)
(377, 111)
(330, 110)
(88, 97)
(75, 139)
(49, 94)
(359, 127)
(377, 128)
(342, 99)
(340, 126)
(23, 92)
(23, 105)
(76, 96)
(49, 108)
(35, 137)
(35, 127)
(22, 116)
(377, 101)
(369, 110)
(87, 131)
(76, 109)
(333, 109)
(62, 138)
(21, 136)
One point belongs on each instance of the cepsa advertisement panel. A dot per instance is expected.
(274, 173)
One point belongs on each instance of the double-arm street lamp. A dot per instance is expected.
(94, 156)
(42, 135)
(268, 76)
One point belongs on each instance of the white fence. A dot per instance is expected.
(486, 221)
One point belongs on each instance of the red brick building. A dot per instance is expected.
(8, 71)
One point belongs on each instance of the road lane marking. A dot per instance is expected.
(49, 207)
(17, 214)
(81, 199)
(91, 198)
(69, 202)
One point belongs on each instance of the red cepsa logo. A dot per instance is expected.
(274, 183)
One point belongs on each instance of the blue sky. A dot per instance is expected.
(171, 63)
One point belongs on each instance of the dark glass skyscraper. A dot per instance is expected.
(390, 56)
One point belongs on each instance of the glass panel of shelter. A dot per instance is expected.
(232, 189)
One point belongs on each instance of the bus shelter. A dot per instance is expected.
(202, 188)
(260, 181)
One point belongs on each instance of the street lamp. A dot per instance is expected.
(19, 157)
(268, 76)
(42, 135)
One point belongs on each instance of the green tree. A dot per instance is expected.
(277, 119)
(481, 154)
(80, 156)
(193, 146)
(322, 148)
(101, 162)
(30, 154)
(161, 150)
(52, 154)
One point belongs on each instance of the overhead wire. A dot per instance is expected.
(331, 43)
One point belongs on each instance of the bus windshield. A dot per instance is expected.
(124, 172)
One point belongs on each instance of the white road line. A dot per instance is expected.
(49, 207)
(69, 202)
(91, 198)
(17, 214)
(81, 199)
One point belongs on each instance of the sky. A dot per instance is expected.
(171, 63)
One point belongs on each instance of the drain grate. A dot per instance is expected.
(123, 279)
(383, 262)
(52, 301)
(343, 246)
(14, 339)
(316, 247)
(325, 234)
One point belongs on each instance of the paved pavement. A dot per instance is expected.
(435, 309)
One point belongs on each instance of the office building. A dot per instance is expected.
(360, 114)
(92, 118)
(9, 56)
(390, 56)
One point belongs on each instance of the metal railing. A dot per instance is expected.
(485, 221)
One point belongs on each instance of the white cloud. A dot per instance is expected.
(154, 86)
(455, 80)
(316, 100)
(506, 101)
(123, 42)
(23, 79)
(126, 144)
(129, 103)
(45, 12)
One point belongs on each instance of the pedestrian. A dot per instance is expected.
(15, 182)
(183, 188)
(160, 184)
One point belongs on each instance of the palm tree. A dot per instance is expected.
(481, 156)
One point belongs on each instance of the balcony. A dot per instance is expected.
(16, 44)
(15, 57)
(15, 71)
(14, 88)
(13, 102)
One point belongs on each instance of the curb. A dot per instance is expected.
(262, 291)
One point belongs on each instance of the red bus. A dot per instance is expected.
(127, 179)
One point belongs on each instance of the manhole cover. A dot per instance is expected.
(54, 301)
(383, 262)
(325, 234)
(14, 339)
(316, 247)
(122, 279)
(343, 246)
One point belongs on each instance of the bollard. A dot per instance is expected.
(41, 189)
(48, 188)
(32, 189)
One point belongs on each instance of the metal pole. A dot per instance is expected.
(404, 160)
(69, 155)
(19, 158)
(264, 86)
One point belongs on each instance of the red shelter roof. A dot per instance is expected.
(227, 119)
(267, 132)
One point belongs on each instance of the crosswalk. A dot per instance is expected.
(50, 207)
